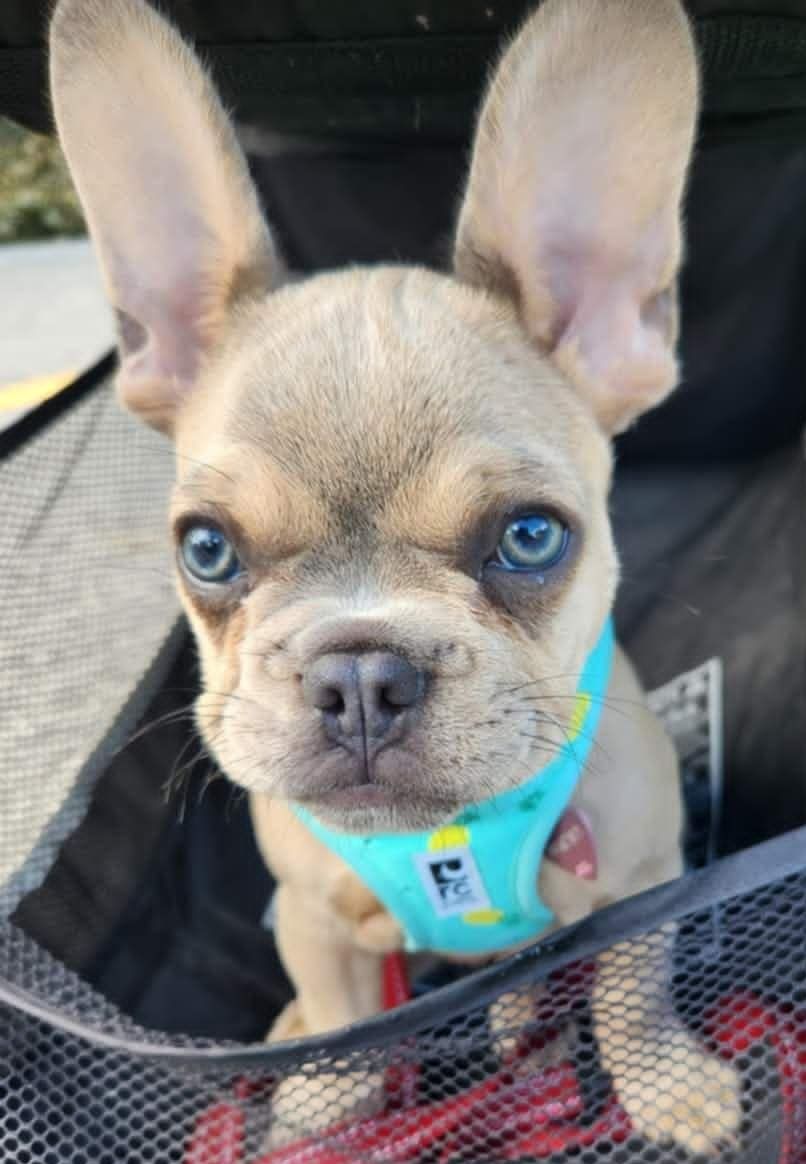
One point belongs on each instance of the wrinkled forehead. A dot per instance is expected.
(356, 389)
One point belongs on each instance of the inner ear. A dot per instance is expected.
(166, 191)
(573, 201)
(132, 336)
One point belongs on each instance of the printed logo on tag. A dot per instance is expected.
(451, 879)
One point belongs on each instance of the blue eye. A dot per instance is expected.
(535, 541)
(208, 555)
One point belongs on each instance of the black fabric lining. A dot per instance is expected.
(80, 901)
(156, 898)
(375, 79)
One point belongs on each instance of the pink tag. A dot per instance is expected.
(572, 846)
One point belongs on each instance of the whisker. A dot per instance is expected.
(205, 465)
(631, 705)
(161, 720)
(180, 771)
(665, 595)
(213, 774)
(236, 796)
(180, 715)
(515, 687)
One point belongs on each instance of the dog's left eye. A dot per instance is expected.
(535, 541)
(208, 555)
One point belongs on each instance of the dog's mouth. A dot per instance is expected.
(387, 788)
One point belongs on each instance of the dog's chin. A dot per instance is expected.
(373, 808)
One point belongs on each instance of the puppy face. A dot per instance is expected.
(364, 448)
(391, 507)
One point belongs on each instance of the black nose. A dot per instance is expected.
(363, 696)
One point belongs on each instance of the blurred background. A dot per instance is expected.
(45, 261)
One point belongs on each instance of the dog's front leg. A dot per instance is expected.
(337, 983)
(331, 935)
(331, 931)
(671, 1087)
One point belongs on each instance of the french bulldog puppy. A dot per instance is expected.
(391, 503)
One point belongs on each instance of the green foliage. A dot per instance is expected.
(37, 199)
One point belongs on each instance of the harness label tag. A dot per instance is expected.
(451, 879)
(572, 845)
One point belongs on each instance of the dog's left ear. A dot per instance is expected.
(574, 196)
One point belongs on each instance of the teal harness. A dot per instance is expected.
(470, 887)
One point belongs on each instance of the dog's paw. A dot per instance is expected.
(309, 1105)
(682, 1095)
(522, 1039)
(507, 1017)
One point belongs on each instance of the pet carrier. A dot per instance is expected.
(138, 972)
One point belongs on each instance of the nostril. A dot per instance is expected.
(403, 691)
(387, 702)
(329, 699)
(391, 683)
(330, 683)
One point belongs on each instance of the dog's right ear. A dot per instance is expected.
(165, 188)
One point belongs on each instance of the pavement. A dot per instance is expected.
(55, 320)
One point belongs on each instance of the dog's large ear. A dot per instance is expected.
(574, 196)
(166, 191)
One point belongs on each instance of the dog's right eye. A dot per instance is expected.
(208, 555)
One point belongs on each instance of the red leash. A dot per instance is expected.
(396, 986)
